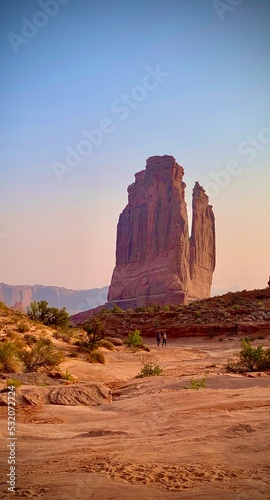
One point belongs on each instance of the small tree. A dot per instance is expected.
(49, 316)
(134, 339)
(94, 333)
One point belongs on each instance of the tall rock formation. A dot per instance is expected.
(156, 263)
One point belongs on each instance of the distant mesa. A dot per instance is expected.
(156, 261)
(20, 296)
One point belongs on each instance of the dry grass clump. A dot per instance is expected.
(96, 357)
(107, 344)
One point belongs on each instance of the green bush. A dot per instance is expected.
(10, 361)
(13, 382)
(49, 316)
(43, 354)
(68, 376)
(117, 309)
(197, 383)
(150, 367)
(134, 339)
(96, 357)
(249, 359)
(22, 327)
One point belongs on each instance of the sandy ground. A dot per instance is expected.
(158, 439)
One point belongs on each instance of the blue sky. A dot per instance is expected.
(65, 78)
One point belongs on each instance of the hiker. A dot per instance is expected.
(158, 338)
(164, 339)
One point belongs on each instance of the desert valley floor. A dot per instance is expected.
(157, 439)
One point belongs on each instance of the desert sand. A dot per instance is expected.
(157, 439)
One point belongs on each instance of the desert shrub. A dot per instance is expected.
(13, 382)
(166, 308)
(235, 307)
(134, 339)
(30, 339)
(10, 334)
(49, 316)
(43, 354)
(249, 359)
(197, 383)
(68, 376)
(117, 309)
(10, 361)
(22, 327)
(94, 333)
(107, 344)
(96, 357)
(150, 367)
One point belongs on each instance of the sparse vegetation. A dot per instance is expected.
(10, 361)
(22, 327)
(198, 383)
(96, 357)
(107, 344)
(94, 333)
(30, 340)
(150, 367)
(68, 376)
(249, 359)
(49, 316)
(117, 309)
(135, 339)
(14, 382)
(43, 354)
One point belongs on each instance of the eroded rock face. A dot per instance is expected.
(156, 263)
(87, 395)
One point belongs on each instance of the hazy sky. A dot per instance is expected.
(188, 78)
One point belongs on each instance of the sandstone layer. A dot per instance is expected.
(156, 261)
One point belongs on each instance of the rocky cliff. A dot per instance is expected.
(20, 296)
(156, 262)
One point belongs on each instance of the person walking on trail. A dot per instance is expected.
(164, 339)
(158, 338)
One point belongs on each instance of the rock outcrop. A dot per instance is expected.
(87, 395)
(156, 262)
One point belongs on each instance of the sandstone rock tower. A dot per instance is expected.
(156, 261)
